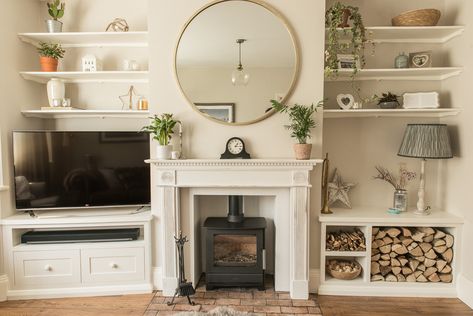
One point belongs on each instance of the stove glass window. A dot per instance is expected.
(235, 250)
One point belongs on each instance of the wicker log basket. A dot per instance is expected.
(422, 17)
(344, 269)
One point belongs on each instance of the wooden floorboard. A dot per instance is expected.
(390, 306)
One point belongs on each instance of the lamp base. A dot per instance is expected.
(422, 212)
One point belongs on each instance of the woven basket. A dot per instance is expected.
(345, 275)
(423, 17)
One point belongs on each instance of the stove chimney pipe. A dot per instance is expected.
(235, 209)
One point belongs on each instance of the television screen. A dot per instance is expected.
(80, 169)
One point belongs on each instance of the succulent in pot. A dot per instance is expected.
(162, 128)
(301, 122)
(56, 11)
(49, 55)
(388, 101)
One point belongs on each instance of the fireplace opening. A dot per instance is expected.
(235, 250)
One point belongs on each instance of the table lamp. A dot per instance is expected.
(425, 141)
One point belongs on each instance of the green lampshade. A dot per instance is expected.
(427, 141)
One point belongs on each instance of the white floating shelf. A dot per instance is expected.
(416, 74)
(85, 77)
(88, 39)
(345, 253)
(412, 34)
(363, 113)
(59, 114)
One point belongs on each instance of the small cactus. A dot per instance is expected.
(56, 9)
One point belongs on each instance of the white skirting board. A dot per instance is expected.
(465, 290)
(3, 287)
(157, 278)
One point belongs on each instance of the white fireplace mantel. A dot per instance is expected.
(292, 175)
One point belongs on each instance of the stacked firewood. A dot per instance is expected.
(346, 241)
(421, 254)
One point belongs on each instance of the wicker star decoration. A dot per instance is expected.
(338, 190)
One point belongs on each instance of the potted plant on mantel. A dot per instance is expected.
(49, 56)
(56, 11)
(301, 117)
(388, 101)
(162, 128)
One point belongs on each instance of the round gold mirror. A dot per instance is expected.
(233, 57)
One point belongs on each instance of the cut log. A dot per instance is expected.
(430, 254)
(403, 261)
(428, 238)
(395, 262)
(418, 236)
(430, 263)
(446, 278)
(434, 277)
(421, 267)
(420, 258)
(393, 254)
(393, 232)
(417, 273)
(406, 232)
(416, 252)
(375, 231)
(439, 242)
(421, 278)
(429, 271)
(411, 278)
(375, 268)
(376, 257)
(391, 278)
(440, 264)
(385, 257)
(384, 263)
(385, 249)
(427, 230)
(375, 251)
(385, 270)
(448, 255)
(377, 277)
(401, 278)
(449, 241)
(396, 240)
(407, 271)
(413, 264)
(439, 234)
(387, 240)
(396, 270)
(400, 249)
(447, 269)
(425, 246)
(381, 234)
(440, 249)
(406, 241)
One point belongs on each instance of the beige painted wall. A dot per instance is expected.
(458, 172)
(268, 139)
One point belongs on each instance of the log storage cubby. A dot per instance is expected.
(400, 255)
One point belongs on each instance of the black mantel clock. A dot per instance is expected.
(235, 149)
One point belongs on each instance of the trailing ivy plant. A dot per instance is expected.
(162, 128)
(51, 50)
(301, 117)
(56, 9)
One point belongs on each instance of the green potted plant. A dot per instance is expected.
(302, 121)
(162, 128)
(337, 19)
(56, 11)
(49, 55)
(388, 101)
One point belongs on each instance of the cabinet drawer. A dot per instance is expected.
(47, 268)
(112, 265)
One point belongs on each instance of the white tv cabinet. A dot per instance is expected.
(77, 269)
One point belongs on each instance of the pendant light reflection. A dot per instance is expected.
(239, 76)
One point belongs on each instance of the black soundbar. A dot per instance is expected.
(75, 236)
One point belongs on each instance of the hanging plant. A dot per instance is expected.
(336, 20)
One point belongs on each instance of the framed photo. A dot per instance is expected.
(131, 137)
(348, 61)
(420, 59)
(220, 111)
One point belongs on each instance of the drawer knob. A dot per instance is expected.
(48, 268)
(113, 265)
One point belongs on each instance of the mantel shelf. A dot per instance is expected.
(88, 39)
(84, 77)
(412, 34)
(416, 74)
(363, 113)
(68, 114)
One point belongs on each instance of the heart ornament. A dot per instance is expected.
(420, 60)
(345, 101)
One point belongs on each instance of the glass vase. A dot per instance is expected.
(400, 200)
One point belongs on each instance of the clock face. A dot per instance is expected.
(235, 146)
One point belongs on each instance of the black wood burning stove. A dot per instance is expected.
(235, 249)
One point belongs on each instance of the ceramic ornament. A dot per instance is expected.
(338, 190)
(345, 101)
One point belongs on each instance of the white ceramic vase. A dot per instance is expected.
(163, 152)
(56, 90)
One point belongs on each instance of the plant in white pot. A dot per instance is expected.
(162, 128)
(302, 121)
(56, 11)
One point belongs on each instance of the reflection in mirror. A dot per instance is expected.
(233, 57)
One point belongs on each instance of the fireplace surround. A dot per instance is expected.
(286, 179)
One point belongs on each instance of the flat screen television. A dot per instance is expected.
(64, 170)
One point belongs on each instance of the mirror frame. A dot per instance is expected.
(295, 43)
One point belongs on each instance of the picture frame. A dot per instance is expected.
(220, 111)
(130, 137)
(348, 61)
(420, 59)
